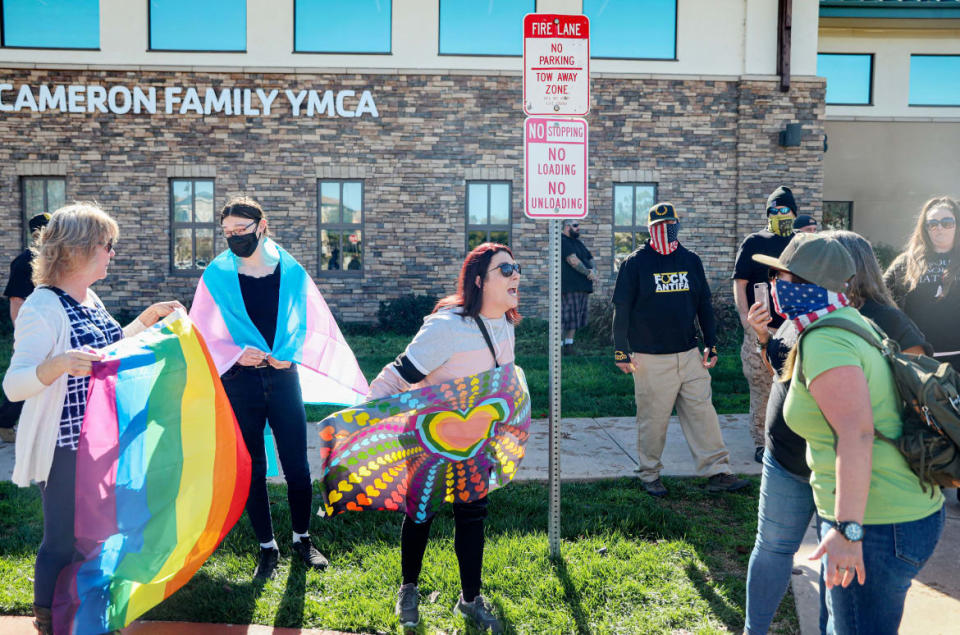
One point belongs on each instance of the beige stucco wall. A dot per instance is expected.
(891, 42)
(889, 169)
(715, 37)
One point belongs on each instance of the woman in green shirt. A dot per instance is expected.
(878, 527)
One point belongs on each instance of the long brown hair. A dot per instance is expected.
(919, 246)
(867, 284)
(469, 296)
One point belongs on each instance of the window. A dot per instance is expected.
(838, 214)
(492, 27)
(849, 78)
(51, 24)
(488, 213)
(188, 25)
(341, 226)
(935, 80)
(334, 26)
(630, 204)
(38, 195)
(632, 29)
(194, 229)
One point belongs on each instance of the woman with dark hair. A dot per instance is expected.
(468, 333)
(269, 333)
(922, 278)
(786, 498)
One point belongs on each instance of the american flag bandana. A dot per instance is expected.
(804, 304)
(663, 237)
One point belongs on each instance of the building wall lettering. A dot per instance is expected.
(121, 100)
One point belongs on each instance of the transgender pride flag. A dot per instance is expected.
(306, 332)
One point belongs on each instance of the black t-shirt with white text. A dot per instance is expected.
(659, 300)
(746, 268)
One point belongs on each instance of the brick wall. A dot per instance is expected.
(711, 145)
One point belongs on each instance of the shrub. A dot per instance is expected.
(885, 254)
(404, 315)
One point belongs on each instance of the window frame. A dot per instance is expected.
(389, 50)
(488, 227)
(873, 73)
(192, 225)
(25, 234)
(850, 208)
(536, 9)
(151, 49)
(676, 47)
(341, 228)
(3, 38)
(910, 74)
(633, 230)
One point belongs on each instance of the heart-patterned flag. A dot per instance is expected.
(412, 452)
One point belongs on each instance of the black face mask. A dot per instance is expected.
(243, 245)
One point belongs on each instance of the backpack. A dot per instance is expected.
(929, 406)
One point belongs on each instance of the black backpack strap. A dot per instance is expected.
(845, 325)
(486, 337)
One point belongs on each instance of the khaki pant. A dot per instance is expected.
(759, 379)
(677, 379)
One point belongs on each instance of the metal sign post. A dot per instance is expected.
(553, 524)
(556, 85)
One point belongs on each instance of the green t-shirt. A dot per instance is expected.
(895, 493)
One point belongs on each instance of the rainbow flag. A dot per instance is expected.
(307, 334)
(162, 477)
(414, 451)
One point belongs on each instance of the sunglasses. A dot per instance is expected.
(507, 269)
(575, 225)
(779, 210)
(946, 223)
(108, 246)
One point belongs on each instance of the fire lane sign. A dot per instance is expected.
(555, 168)
(556, 64)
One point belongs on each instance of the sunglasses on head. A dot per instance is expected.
(779, 210)
(507, 268)
(946, 223)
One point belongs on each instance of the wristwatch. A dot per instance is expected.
(851, 530)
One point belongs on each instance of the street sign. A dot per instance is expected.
(555, 168)
(556, 64)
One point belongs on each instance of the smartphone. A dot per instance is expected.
(761, 295)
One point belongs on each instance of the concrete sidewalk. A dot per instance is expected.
(606, 448)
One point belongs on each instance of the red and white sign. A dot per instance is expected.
(556, 64)
(555, 168)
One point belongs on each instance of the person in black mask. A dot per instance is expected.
(770, 241)
(261, 387)
(660, 295)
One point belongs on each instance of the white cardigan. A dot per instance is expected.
(41, 331)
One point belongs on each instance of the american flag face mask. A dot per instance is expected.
(663, 237)
(804, 303)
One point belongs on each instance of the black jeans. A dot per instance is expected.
(258, 395)
(468, 521)
(56, 551)
(9, 412)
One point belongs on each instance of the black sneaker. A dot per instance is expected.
(481, 612)
(725, 483)
(310, 555)
(408, 605)
(655, 488)
(758, 454)
(267, 564)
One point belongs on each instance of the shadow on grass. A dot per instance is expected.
(290, 611)
(571, 596)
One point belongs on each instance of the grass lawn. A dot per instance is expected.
(631, 564)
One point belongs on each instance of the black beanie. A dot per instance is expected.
(782, 196)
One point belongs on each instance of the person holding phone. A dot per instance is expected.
(781, 210)
(660, 295)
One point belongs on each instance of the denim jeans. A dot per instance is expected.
(892, 556)
(256, 395)
(786, 507)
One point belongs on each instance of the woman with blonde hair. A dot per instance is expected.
(58, 329)
(923, 278)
